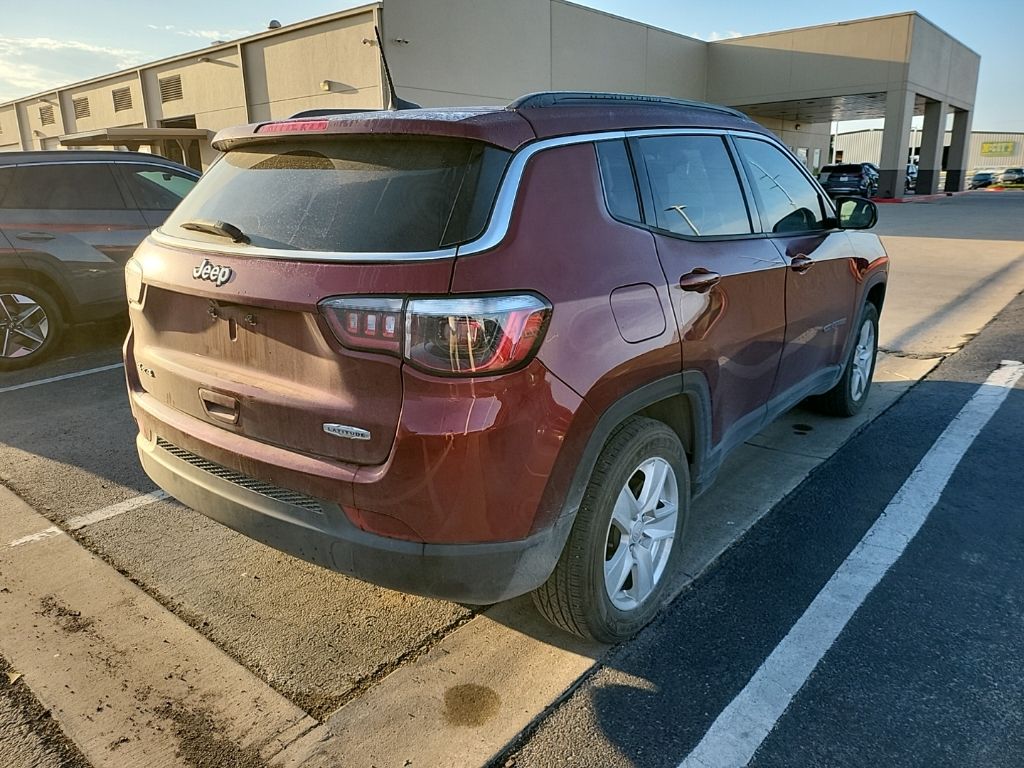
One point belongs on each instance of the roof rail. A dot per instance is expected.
(596, 98)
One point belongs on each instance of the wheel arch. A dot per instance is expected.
(682, 402)
(44, 281)
(876, 295)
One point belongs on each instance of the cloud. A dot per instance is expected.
(32, 64)
(727, 35)
(202, 34)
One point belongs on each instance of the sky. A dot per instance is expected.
(45, 45)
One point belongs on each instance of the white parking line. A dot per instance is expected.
(80, 521)
(62, 377)
(745, 723)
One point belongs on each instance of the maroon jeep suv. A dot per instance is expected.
(474, 352)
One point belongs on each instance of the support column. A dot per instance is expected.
(959, 149)
(933, 137)
(899, 109)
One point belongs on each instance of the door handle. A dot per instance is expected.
(801, 263)
(699, 280)
(39, 237)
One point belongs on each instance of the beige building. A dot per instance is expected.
(987, 150)
(457, 52)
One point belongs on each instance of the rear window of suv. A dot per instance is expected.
(356, 195)
(856, 169)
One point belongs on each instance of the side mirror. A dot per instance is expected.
(856, 213)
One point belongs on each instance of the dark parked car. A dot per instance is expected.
(68, 223)
(910, 182)
(982, 179)
(849, 179)
(437, 349)
(1012, 176)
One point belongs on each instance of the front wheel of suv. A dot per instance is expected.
(624, 548)
(847, 397)
(30, 324)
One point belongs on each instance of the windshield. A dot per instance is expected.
(358, 195)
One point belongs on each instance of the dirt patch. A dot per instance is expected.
(27, 731)
(69, 620)
(202, 743)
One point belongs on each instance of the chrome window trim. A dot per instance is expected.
(203, 246)
(497, 225)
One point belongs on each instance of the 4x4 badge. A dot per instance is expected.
(218, 275)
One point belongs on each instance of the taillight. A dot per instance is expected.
(474, 336)
(133, 282)
(461, 337)
(366, 322)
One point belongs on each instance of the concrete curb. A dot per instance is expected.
(128, 681)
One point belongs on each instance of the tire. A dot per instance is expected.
(576, 597)
(31, 324)
(848, 396)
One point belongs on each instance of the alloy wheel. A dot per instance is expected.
(640, 533)
(24, 325)
(863, 359)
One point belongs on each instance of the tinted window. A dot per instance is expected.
(694, 186)
(155, 187)
(88, 186)
(787, 200)
(359, 194)
(843, 168)
(617, 179)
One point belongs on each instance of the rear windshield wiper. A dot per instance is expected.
(218, 228)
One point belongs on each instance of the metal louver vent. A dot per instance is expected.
(170, 89)
(122, 99)
(81, 107)
(269, 490)
(46, 114)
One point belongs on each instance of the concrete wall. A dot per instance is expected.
(942, 68)
(35, 135)
(463, 52)
(10, 137)
(803, 140)
(531, 45)
(101, 104)
(594, 51)
(284, 72)
(846, 58)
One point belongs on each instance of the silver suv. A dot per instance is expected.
(69, 221)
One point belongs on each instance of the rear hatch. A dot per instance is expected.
(843, 175)
(230, 329)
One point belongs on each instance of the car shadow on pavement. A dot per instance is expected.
(650, 700)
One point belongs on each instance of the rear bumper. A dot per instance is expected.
(469, 573)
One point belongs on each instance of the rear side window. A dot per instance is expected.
(154, 187)
(617, 180)
(694, 187)
(787, 200)
(359, 194)
(55, 186)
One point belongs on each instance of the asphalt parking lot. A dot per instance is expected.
(153, 636)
